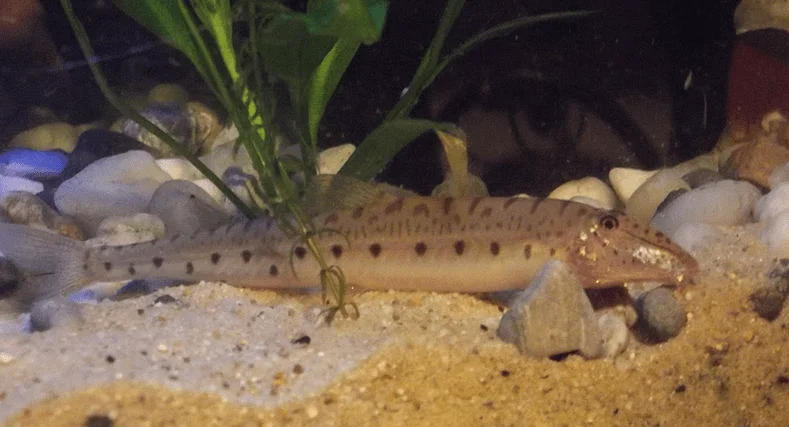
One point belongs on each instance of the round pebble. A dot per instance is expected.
(95, 144)
(773, 203)
(587, 188)
(615, 333)
(724, 202)
(54, 312)
(661, 316)
(768, 301)
(626, 181)
(49, 136)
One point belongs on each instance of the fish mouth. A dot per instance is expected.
(679, 266)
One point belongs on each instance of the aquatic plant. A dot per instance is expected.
(309, 53)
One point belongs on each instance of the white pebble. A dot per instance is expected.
(626, 181)
(724, 202)
(6, 358)
(772, 203)
(179, 168)
(125, 230)
(184, 207)
(117, 185)
(14, 183)
(591, 202)
(590, 188)
(225, 156)
(778, 176)
(693, 237)
(642, 204)
(776, 234)
(211, 189)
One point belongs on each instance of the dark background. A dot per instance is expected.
(647, 46)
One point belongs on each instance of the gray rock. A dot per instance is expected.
(552, 316)
(118, 185)
(616, 334)
(185, 208)
(55, 312)
(768, 301)
(661, 317)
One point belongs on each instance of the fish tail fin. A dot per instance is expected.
(50, 264)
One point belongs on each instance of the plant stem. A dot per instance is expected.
(124, 109)
(423, 73)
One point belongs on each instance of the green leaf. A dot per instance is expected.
(325, 80)
(288, 50)
(383, 143)
(215, 15)
(362, 20)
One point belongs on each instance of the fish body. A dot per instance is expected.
(478, 244)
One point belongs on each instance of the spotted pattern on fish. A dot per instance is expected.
(440, 244)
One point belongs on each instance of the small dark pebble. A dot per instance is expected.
(98, 421)
(680, 388)
(559, 357)
(140, 311)
(782, 380)
(484, 328)
(298, 369)
(769, 300)
(165, 299)
(505, 373)
(660, 316)
(110, 358)
(302, 340)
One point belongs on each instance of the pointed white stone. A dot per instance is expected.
(626, 181)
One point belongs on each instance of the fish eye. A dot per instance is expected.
(609, 222)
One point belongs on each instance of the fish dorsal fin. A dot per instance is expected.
(329, 193)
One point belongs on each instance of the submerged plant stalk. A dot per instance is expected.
(87, 50)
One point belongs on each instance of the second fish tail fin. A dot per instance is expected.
(51, 264)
